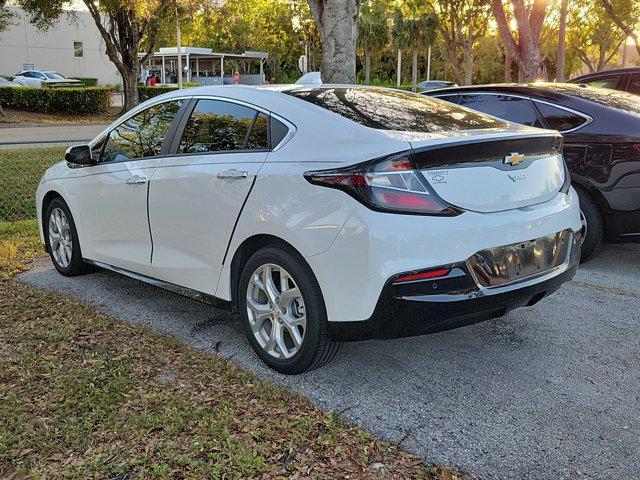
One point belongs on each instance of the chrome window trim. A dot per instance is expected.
(588, 118)
(292, 128)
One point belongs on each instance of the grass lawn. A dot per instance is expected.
(84, 395)
(20, 172)
(21, 116)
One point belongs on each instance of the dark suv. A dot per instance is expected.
(625, 79)
(601, 130)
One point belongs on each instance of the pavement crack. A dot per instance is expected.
(602, 288)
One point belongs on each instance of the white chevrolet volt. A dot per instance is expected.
(319, 214)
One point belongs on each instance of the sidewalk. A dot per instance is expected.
(49, 134)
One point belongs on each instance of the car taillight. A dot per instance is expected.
(390, 184)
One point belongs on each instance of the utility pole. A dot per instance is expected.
(429, 64)
(179, 41)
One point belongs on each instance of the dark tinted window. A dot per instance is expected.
(395, 110)
(559, 119)
(216, 126)
(603, 82)
(278, 131)
(514, 109)
(259, 136)
(634, 85)
(609, 98)
(142, 135)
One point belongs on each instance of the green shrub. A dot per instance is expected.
(87, 81)
(145, 93)
(56, 100)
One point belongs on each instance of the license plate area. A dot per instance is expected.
(499, 266)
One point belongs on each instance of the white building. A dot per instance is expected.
(72, 47)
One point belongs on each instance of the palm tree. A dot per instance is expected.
(414, 34)
(373, 34)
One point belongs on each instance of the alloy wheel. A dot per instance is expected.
(276, 311)
(583, 220)
(60, 240)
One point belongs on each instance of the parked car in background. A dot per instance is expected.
(625, 79)
(5, 82)
(319, 213)
(601, 132)
(433, 84)
(48, 79)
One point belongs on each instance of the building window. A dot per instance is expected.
(78, 51)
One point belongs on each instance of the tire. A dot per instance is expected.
(594, 231)
(69, 263)
(273, 312)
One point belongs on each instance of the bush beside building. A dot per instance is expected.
(57, 100)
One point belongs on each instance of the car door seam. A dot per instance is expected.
(233, 230)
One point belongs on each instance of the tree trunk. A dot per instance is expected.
(414, 69)
(507, 68)
(468, 65)
(367, 68)
(2, 112)
(562, 37)
(399, 69)
(130, 88)
(337, 23)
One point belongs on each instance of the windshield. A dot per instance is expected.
(54, 76)
(395, 110)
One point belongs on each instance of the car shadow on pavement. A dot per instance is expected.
(544, 392)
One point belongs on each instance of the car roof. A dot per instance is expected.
(601, 73)
(542, 90)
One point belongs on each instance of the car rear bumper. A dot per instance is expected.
(431, 306)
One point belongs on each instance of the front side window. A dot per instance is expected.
(394, 110)
(142, 135)
(218, 126)
(560, 119)
(513, 109)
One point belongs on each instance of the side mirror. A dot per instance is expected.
(79, 155)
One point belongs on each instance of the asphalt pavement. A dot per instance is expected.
(43, 134)
(547, 392)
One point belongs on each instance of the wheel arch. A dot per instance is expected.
(46, 201)
(242, 254)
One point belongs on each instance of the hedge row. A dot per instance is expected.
(88, 81)
(145, 93)
(56, 100)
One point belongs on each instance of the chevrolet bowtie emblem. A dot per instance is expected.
(513, 159)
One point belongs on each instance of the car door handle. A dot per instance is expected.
(137, 179)
(233, 174)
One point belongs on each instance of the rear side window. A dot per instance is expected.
(514, 109)
(560, 119)
(634, 85)
(218, 126)
(604, 82)
(395, 110)
(142, 135)
(259, 137)
(278, 131)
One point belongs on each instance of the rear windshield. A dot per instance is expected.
(603, 96)
(395, 110)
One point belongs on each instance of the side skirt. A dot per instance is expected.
(177, 289)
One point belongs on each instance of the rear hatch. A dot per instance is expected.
(491, 173)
